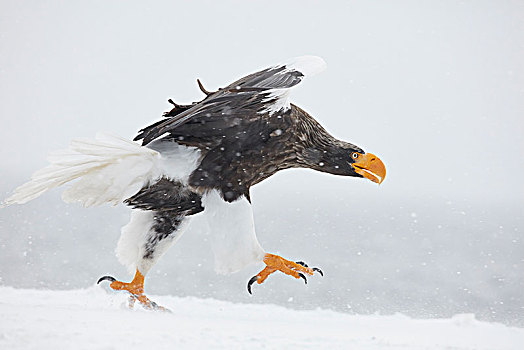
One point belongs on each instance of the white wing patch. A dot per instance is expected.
(233, 237)
(307, 65)
(280, 98)
(176, 161)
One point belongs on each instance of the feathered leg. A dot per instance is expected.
(140, 251)
(136, 289)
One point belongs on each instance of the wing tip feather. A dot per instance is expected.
(308, 65)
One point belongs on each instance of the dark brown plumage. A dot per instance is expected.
(243, 141)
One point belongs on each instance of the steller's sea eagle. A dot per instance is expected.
(203, 158)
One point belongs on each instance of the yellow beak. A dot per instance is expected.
(371, 167)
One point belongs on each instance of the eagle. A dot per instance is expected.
(203, 159)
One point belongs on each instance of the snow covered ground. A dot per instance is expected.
(95, 319)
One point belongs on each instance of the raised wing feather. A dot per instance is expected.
(251, 97)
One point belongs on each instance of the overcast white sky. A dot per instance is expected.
(436, 89)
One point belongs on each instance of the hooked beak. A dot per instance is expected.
(371, 167)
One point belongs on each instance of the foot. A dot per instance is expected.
(136, 289)
(277, 263)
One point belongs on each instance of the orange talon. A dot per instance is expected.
(136, 289)
(277, 263)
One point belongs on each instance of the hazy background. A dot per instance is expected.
(436, 89)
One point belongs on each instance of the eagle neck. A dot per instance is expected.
(313, 143)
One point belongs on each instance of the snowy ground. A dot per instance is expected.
(94, 319)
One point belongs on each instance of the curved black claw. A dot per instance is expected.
(301, 263)
(106, 278)
(319, 271)
(251, 281)
(154, 306)
(304, 277)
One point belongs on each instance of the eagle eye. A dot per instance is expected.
(354, 155)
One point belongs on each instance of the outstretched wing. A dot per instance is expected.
(261, 93)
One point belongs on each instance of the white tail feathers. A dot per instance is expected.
(109, 169)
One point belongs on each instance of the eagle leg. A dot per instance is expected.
(277, 263)
(135, 289)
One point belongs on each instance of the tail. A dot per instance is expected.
(108, 168)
